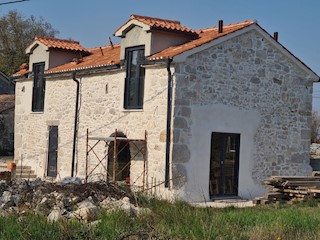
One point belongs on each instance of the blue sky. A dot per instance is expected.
(93, 22)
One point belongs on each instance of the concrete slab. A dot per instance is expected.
(238, 203)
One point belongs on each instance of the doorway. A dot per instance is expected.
(224, 164)
(53, 152)
(123, 160)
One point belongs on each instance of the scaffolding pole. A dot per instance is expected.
(115, 139)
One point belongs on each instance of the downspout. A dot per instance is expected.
(75, 130)
(168, 133)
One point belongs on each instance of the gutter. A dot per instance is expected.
(75, 130)
(168, 133)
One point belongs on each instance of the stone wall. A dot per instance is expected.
(101, 111)
(245, 86)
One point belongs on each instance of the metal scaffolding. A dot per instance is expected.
(103, 161)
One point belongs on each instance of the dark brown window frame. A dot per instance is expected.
(38, 91)
(134, 85)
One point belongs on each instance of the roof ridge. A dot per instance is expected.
(103, 46)
(133, 16)
(56, 39)
(227, 25)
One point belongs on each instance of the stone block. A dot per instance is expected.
(299, 157)
(255, 80)
(179, 176)
(180, 122)
(163, 136)
(305, 134)
(180, 153)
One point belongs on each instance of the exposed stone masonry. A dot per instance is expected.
(248, 73)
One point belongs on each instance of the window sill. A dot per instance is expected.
(37, 112)
(132, 110)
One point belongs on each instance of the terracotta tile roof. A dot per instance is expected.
(6, 102)
(99, 57)
(161, 24)
(61, 44)
(21, 72)
(205, 36)
(24, 69)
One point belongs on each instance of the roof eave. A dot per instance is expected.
(120, 32)
(34, 45)
(93, 68)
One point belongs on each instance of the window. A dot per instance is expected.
(134, 83)
(38, 87)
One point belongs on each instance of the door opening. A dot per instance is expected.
(53, 152)
(122, 163)
(224, 164)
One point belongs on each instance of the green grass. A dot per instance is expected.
(179, 221)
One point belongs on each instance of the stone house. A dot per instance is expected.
(6, 115)
(196, 114)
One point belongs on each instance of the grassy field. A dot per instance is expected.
(178, 221)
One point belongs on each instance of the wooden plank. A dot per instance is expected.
(294, 177)
(295, 191)
(313, 190)
(301, 183)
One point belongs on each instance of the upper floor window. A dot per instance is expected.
(38, 87)
(134, 84)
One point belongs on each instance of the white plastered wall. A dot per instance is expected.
(220, 118)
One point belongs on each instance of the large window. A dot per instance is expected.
(38, 87)
(134, 85)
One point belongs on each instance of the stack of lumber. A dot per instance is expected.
(286, 188)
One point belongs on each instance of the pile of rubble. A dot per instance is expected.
(69, 199)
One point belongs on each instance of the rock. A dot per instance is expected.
(35, 182)
(315, 150)
(113, 205)
(86, 211)
(126, 205)
(16, 198)
(6, 197)
(109, 203)
(75, 200)
(6, 200)
(94, 223)
(68, 180)
(44, 200)
(55, 215)
(138, 211)
(66, 201)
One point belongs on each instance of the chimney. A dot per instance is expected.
(24, 66)
(220, 26)
(111, 43)
(275, 36)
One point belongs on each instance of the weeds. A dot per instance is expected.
(178, 221)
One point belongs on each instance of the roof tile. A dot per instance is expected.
(61, 44)
(100, 56)
(205, 36)
(161, 24)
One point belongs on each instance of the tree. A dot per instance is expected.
(16, 33)
(315, 121)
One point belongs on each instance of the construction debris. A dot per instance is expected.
(288, 188)
(69, 199)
